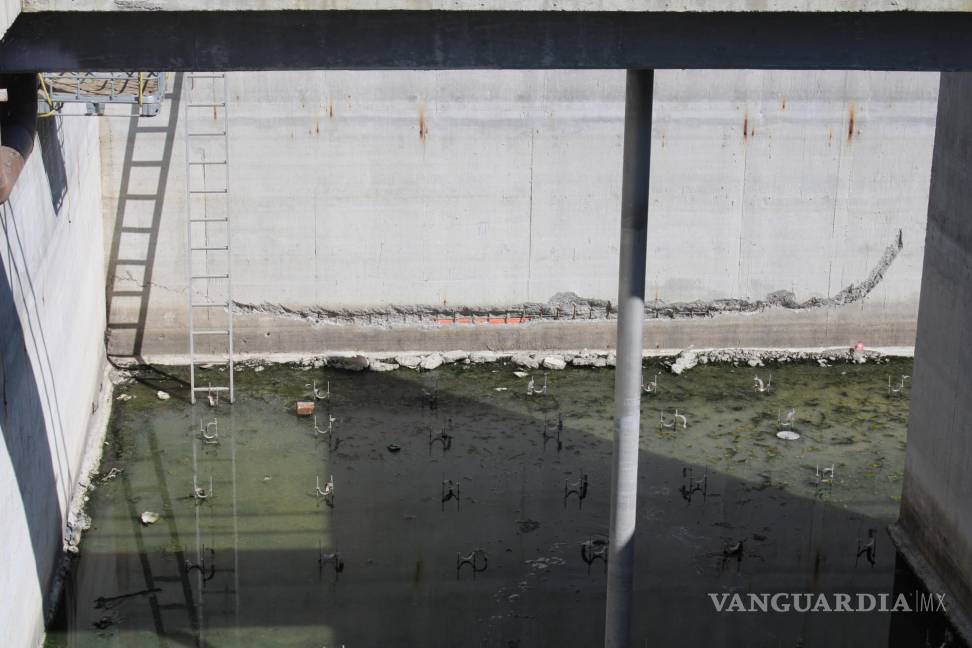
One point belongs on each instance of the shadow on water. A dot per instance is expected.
(22, 410)
(422, 483)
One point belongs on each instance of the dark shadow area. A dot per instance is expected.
(124, 337)
(22, 417)
(51, 148)
(251, 561)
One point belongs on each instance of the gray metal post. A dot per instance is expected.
(627, 376)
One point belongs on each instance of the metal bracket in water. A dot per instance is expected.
(578, 488)
(899, 390)
(333, 559)
(649, 387)
(327, 493)
(592, 550)
(763, 388)
(451, 490)
(332, 440)
(533, 390)
(867, 549)
(201, 494)
(547, 435)
(209, 433)
(478, 559)
(673, 423)
(206, 568)
(690, 485)
(442, 437)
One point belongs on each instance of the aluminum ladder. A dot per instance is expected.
(208, 239)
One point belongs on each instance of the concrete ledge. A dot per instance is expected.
(959, 613)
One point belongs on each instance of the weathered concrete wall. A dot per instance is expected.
(51, 359)
(500, 5)
(400, 198)
(936, 517)
(9, 10)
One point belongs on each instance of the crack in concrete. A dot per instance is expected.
(567, 306)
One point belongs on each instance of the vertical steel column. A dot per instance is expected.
(627, 376)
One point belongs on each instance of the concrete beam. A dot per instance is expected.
(423, 39)
(935, 529)
(498, 5)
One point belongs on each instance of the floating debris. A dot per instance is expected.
(305, 408)
(520, 374)
(394, 447)
(162, 396)
(149, 517)
(124, 397)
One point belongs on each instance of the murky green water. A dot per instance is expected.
(252, 564)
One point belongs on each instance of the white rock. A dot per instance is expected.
(431, 361)
(685, 361)
(582, 361)
(259, 368)
(479, 357)
(161, 395)
(554, 362)
(379, 366)
(526, 360)
(149, 517)
(600, 362)
(454, 356)
(754, 362)
(409, 361)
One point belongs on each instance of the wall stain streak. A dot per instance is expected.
(423, 127)
(850, 121)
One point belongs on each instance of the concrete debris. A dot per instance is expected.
(520, 374)
(408, 361)
(526, 360)
(259, 368)
(450, 357)
(161, 395)
(480, 357)
(431, 361)
(583, 360)
(380, 366)
(149, 517)
(349, 363)
(555, 363)
(685, 361)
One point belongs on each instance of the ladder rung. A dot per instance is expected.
(213, 134)
(151, 129)
(219, 305)
(193, 192)
(139, 196)
(209, 248)
(130, 262)
(211, 332)
(211, 276)
(206, 105)
(204, 163)
(146, 163)
(206, 389)
(128, 293)
(137, 230)
(193, 75)
(209, 220)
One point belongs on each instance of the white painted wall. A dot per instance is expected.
(51, 359)
(512, 193)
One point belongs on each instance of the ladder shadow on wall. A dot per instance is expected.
(138, 218)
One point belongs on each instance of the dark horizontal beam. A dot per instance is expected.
(358, 40)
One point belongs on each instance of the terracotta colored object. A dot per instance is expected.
(305, 408)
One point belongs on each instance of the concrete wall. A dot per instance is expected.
(9, 10)
(366, 194)
(51, 359)
(935, 529)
